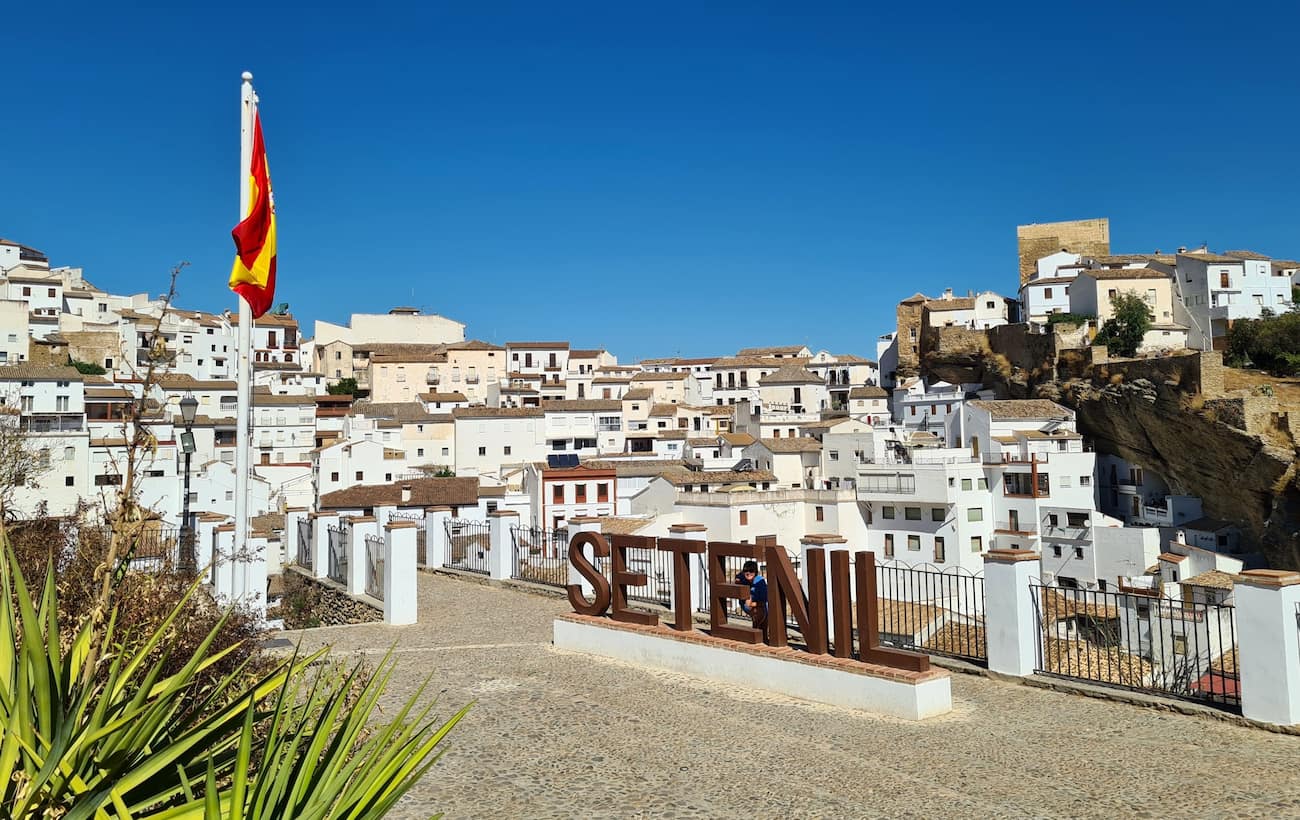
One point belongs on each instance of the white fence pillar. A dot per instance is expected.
(435, 535)
(358, 527)
(401, 604)
(204, 533)
(501, 555)
(1010, 619)
(576, 525)
(384, 513)
(1268, 645)
(320, 541)
(250, 571)
(219, 569)
(695, 563)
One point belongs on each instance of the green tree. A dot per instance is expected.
(1270, 343)
(1069, 318)
(1122, 333)
(86, 368)
(343, 387)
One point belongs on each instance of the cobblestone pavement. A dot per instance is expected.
(557, 734)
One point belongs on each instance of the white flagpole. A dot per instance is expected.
(243, 421)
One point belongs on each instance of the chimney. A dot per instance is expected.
(406, 493)
(1182, 249)
(947, 293)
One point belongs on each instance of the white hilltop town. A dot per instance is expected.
(1002, 535)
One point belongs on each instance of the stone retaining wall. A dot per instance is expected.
(310, 602)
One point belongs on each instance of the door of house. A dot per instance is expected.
(1014, 520)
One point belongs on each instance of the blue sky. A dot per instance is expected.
(658, 179)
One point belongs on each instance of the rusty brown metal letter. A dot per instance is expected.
(622, 579)
(600, 586)
(815, 572)
(869, 648)
(682, 549)
(783, 591)
(841, 604)
(722, 589)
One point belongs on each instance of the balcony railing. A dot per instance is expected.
(1015, 458)
(900, 484)
(51, 424)
(1067, 533)
(1025, 528)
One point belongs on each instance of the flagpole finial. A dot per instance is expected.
(247, 76)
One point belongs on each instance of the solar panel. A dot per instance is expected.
(562, 461)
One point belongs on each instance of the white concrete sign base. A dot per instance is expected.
(908, 695)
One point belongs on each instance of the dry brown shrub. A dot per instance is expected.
(143, 599)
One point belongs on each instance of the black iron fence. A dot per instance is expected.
(468, 544)
(541, 555)
(932, 610)
(304, 543)
(375, 567)
(150, 550)
(421, 534)
(658, 569)
(337, 570)
(1138, 641)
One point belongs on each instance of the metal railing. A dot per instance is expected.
(1016, 527)
(658, 568)
(927, 609)
(304, 543)
(153, 550)
(541, 555)
(338, 555)
(901, 484)
(468, 544)
(1067, 532)
(421, 536)
(375, 567)
(1170, 647)
(702, 602)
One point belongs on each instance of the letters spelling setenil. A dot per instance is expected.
(809, 609)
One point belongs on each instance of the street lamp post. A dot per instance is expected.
(188, 559)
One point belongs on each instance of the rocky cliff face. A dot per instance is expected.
(1198, 448)
(1240, 477)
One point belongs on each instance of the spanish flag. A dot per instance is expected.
(253, 275)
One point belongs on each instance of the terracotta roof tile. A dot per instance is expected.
(787, 350)
(1021, 409)
(802, 444)
(868, 392)
(404, 411)
(31, 372)
(497, 413)
(425, 492)
(791, 374)
(1109, 274)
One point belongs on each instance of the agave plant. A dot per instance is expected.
(124, 740)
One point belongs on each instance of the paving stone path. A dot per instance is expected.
(556, 734)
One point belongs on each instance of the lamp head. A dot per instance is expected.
(189, 406)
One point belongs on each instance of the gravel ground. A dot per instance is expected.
(558, 734)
